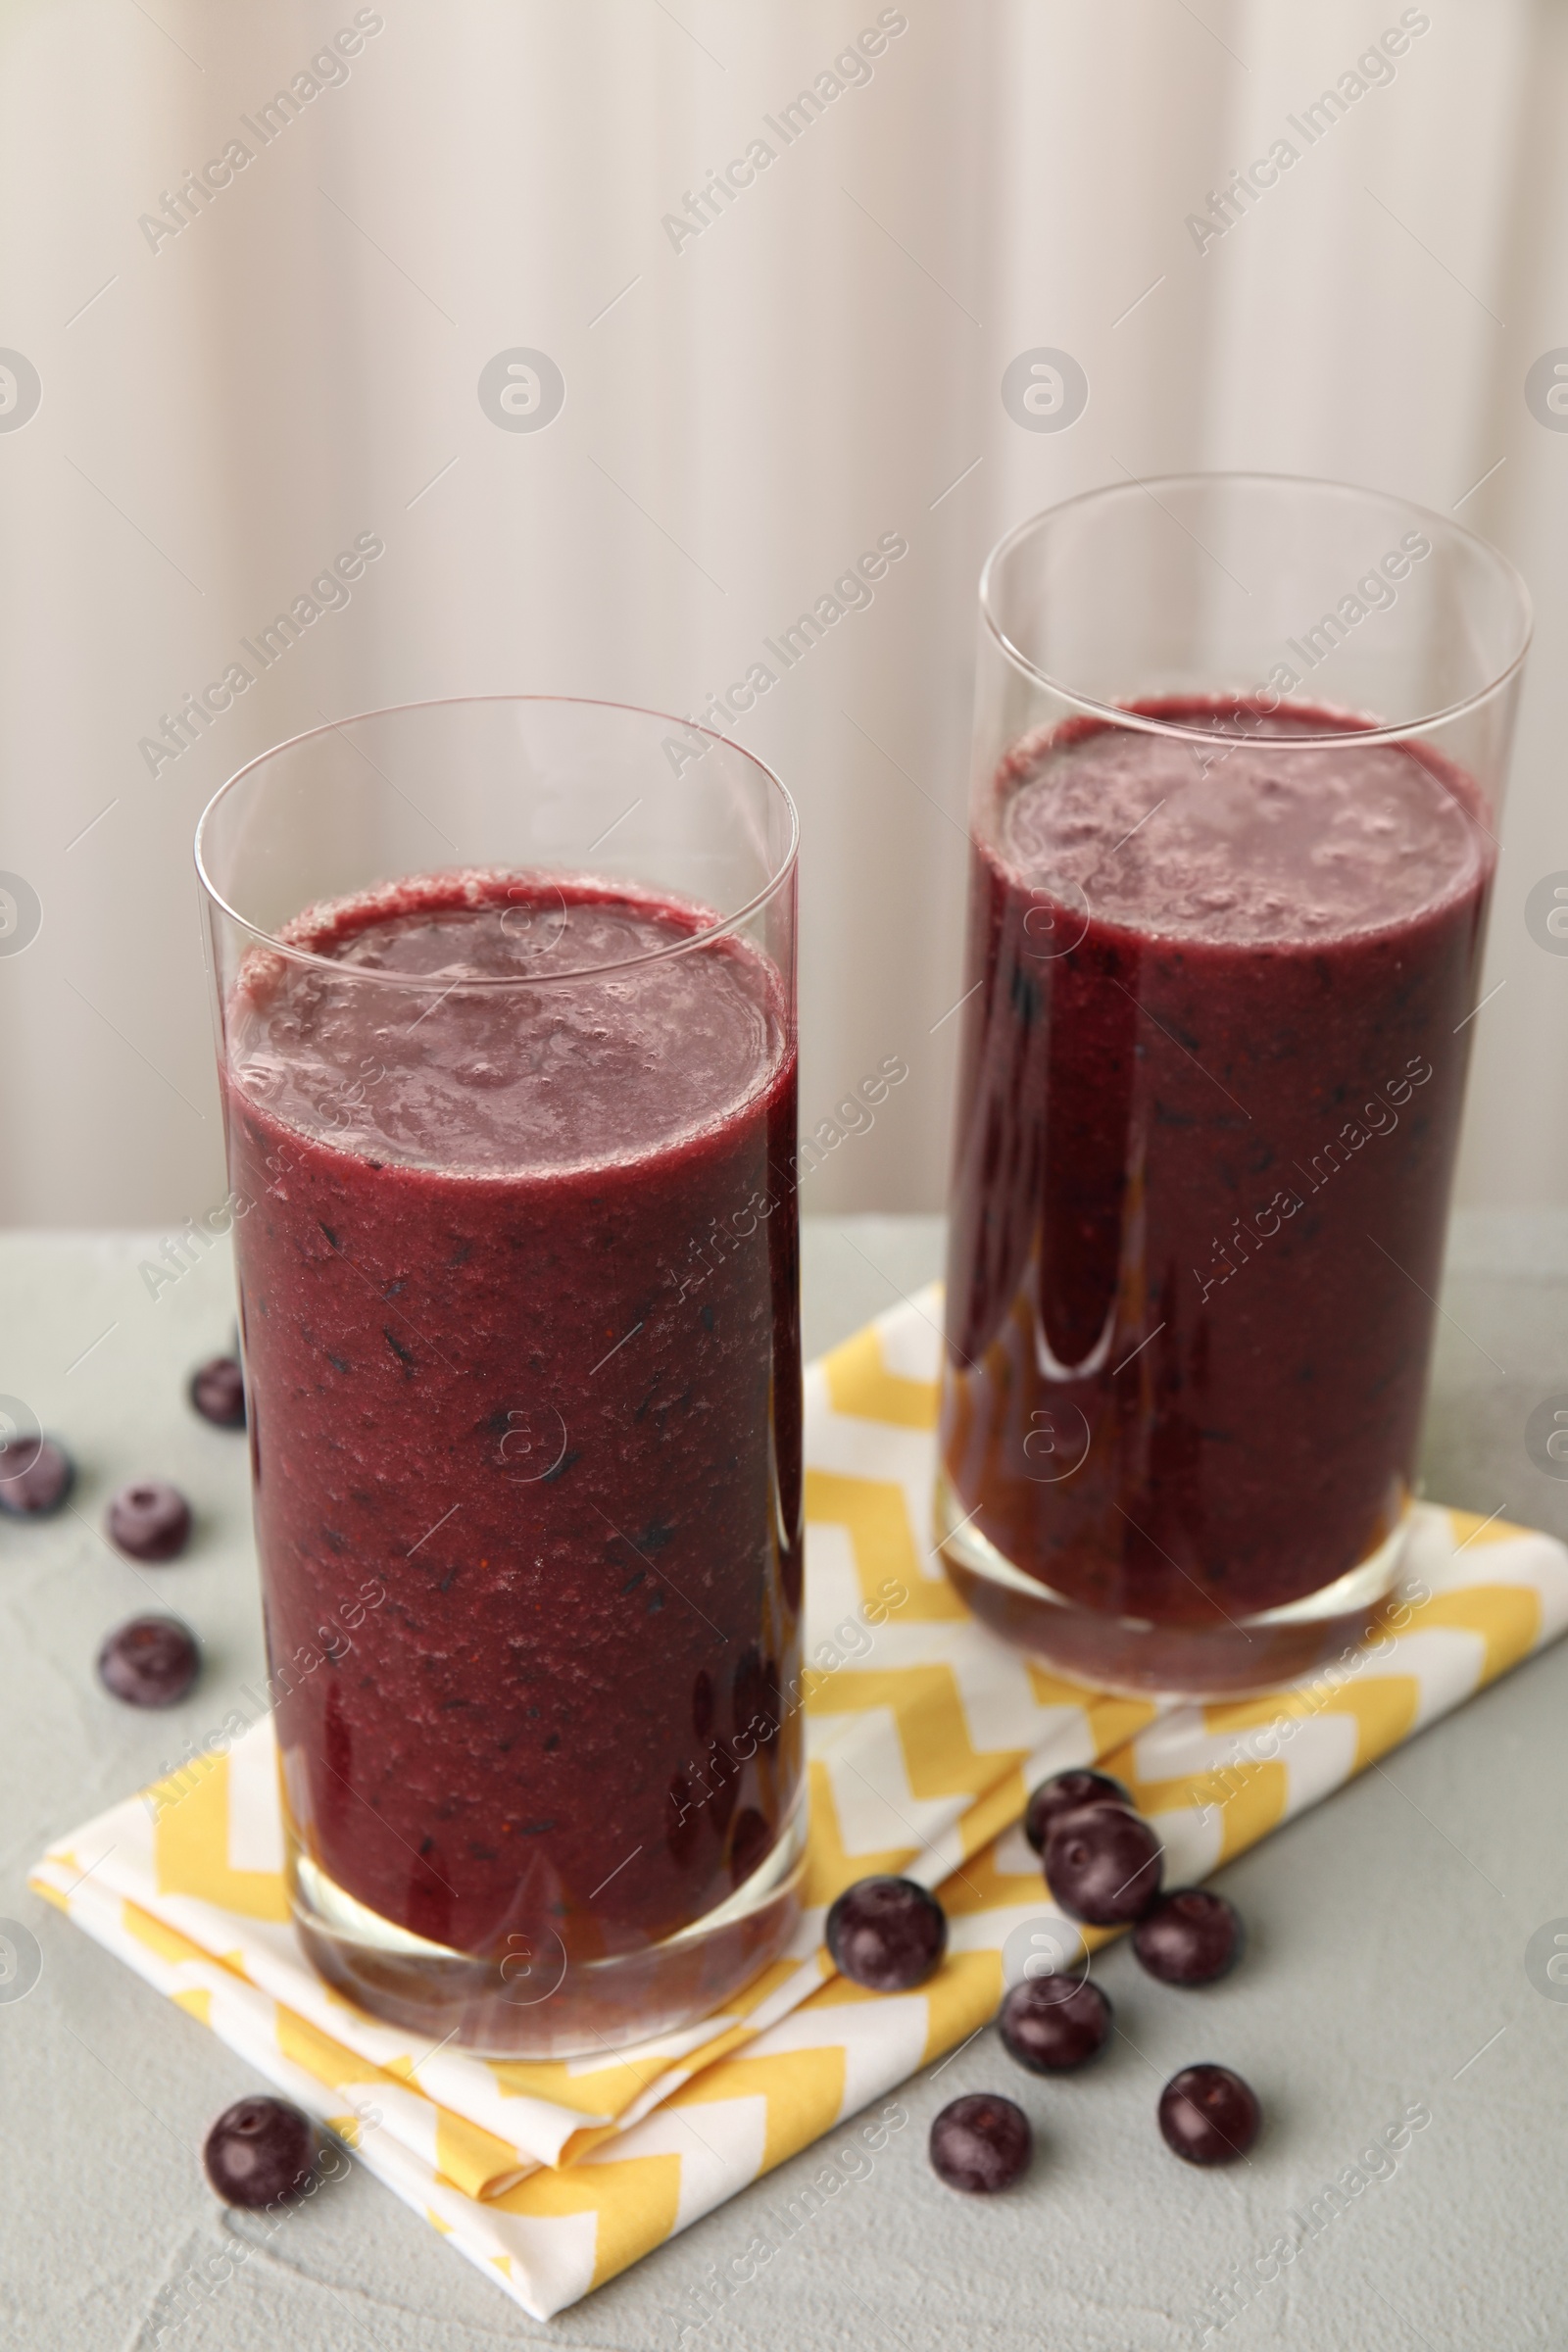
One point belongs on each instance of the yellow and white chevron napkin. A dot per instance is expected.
(924, 1735)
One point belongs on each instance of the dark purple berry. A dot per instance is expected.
(1102, 1865)
(1191, 1936)
(749, 1843)
(41, 1486)
(1069, 1792)
(981, 2143)
(1052, 2024)
(149, 1520)
(1209, 2114)
(217, 1392)
(149, 1661)
(260, 2151)
(888, 1935)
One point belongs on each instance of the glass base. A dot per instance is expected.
(536, 2003)
(1138, 1659)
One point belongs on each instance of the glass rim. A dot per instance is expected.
(1133, 720)
(722, 927)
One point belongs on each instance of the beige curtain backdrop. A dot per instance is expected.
(236, 378)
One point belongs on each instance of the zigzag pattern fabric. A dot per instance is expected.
(925, 1735)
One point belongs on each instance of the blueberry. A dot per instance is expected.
(149, 1661)
(260, 2151)
(217, 1392)
(1209, 2114)
(980, 2143)
(1051, 2024)
(888, 1935)
(1102, 1865)
(149, 1520)
(1191, 1936)
(1069, 1792)
(749, 1843)
(42, 1486)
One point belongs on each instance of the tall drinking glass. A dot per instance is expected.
(1239, 756)
(506, 1016)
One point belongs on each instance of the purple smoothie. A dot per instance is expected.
(480, 1380)
(1211, 1084)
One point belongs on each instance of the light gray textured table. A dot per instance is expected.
(1389, 1930)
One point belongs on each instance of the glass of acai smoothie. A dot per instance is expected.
(505, 1012)
(1239, 756)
